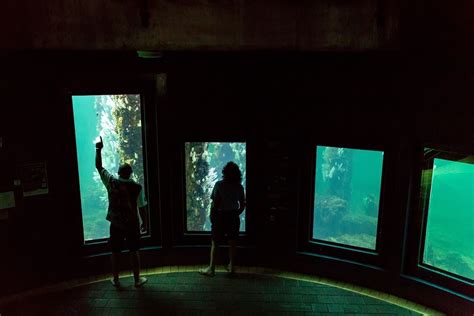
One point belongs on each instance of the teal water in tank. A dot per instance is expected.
(449, 241)
(203, 163)
(117, 118)
(347, 195)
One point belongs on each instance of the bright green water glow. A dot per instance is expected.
(347, 195)
(204, 162)
(117, 118)
(449, 241)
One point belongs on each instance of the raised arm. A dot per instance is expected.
(98, 155)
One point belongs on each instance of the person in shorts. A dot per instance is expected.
(228, 202)
(126, 207)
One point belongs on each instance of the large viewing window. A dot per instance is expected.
(448, 203)
(118, 119)
(204, 162)
(347, 196)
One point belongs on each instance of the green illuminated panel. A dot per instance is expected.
(204, 162)
(117, 118)
(449, 240)
(347, 196)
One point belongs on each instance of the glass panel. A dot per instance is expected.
(449, 240)
(204, 162)
(347, 195)
(117, 118)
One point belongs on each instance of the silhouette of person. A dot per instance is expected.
(228, 202)
(125, 197)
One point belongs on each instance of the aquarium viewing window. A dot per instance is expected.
(347, 196)
(117, 118)
(204, 162)
(448, 199)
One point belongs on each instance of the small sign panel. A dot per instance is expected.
(7, 200)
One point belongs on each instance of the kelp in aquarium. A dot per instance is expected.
(204, 162)
(346, 196)
(117, 118)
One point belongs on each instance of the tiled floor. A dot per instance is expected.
(188, 293)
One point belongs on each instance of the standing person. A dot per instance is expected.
(125, 197)
(228, 202)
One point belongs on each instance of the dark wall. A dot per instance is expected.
(280, 103)
(200, 24)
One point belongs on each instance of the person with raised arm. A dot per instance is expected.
(126, 206)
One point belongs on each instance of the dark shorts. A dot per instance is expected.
(118, 236)
(225, 225)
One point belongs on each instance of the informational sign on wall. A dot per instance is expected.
(34, 179)
(7, 200)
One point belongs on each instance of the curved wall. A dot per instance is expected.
(283, 103)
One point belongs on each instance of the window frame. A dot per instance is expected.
(326, 249)
(143, 88)
(417, 224)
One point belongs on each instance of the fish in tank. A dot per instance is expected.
(203, 166)
(449, 230)
(347, 196)
(117, 119)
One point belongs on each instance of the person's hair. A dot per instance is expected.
(125, 170)
(231, 173)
